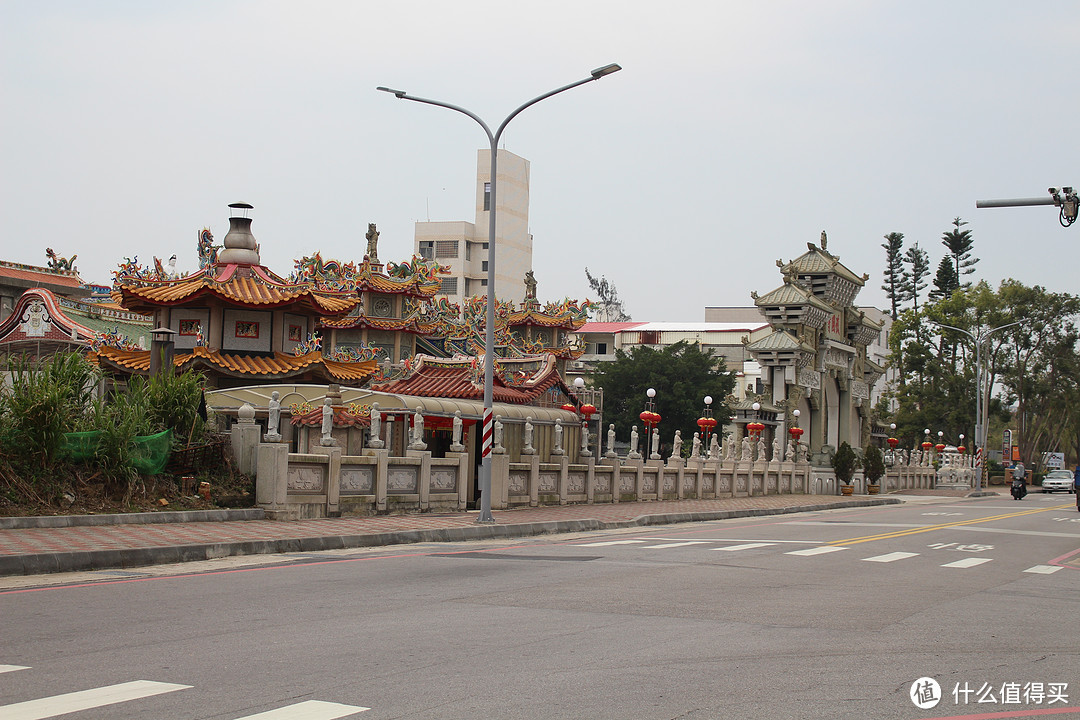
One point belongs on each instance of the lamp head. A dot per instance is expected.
(606, 70)
(579, 382)
(796, 413)
(708, 399)
(651, 392)
(397, 93)
(756, 406)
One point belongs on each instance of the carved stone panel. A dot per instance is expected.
(785, 485)
(648, 483)
(740, 484)
(689, 482)
(444, 479)
(669, 483)
(306, 478)
(357, 480)
(706, 483)
(575, 482)
(519, 483)
(548, 482)
(725, 484)
(403, 480)
(626, 482)
(772, 485)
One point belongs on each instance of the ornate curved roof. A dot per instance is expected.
(818, 261)
(250, 286)
(266, 367)
(790, 294)
(463, 378)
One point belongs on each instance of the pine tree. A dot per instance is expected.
(960, 244)
(894, 271)
(945, 282)
(915, 276)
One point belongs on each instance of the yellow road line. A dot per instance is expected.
(942, 526)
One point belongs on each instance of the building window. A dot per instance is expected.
(601, 348)
(483, 266)
(484, 246)
(446, 249)
(448, 286)
(427, 249)
(487, 196)
(468, 251)
(483, 283)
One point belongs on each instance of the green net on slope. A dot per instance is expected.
(149, 453)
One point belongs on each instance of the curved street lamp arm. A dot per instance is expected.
(402, 95)
(545, 96)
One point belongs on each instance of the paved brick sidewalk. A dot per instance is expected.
(61, 549)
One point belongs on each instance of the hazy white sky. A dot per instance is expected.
(735, 133)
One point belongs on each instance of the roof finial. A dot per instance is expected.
(824, 241)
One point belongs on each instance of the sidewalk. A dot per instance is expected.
(30, 546)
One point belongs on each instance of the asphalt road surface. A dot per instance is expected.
(935, 608)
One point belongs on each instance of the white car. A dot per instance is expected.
(1058, 480)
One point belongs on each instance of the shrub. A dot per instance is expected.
(873, 464)
(845, 463)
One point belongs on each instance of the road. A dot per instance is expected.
(832, 614)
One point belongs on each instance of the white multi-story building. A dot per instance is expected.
(463, 246)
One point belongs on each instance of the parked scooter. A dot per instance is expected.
(1019, 488)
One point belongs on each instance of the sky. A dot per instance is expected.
(735, 133)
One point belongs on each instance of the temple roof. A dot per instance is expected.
(464, 378)
(818, 261)
(790, 294)
(66, 282)
(780, 340)
(252, 287)
(265, 367)
(66, 323)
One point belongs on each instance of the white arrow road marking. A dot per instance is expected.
(816, 550)
(308, 710)
(1040, 569)
(745, 546)
(674, 544)
(611, 542)
(12, 668)
(967, 562)
(890, 557)
(86, 699)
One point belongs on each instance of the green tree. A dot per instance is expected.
(682, 375)
(894, 285)
(960, 244)
(915, 277)
(945, 282)
(609, 308)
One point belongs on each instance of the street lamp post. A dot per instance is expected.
(485, 515)
(981, 401)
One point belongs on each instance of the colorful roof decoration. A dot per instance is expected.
(418, 277)
(270, 366)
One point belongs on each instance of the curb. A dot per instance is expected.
(44, 563)
(146, 518)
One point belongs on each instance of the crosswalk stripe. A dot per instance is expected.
(1043, 569)
(745, 546)
(816, 550)
(967, 562)
(890, 557)
(308, 710)
(611, 542)
(86, 699)
(674, 544)
(12, 668)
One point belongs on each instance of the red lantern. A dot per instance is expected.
(927, 445)
(570, 407)
(796, 433)
(587, 410)
(939, 447)
(961, 449)
(755, 428)
(649, 418)
(893, 442)
(706, 423)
